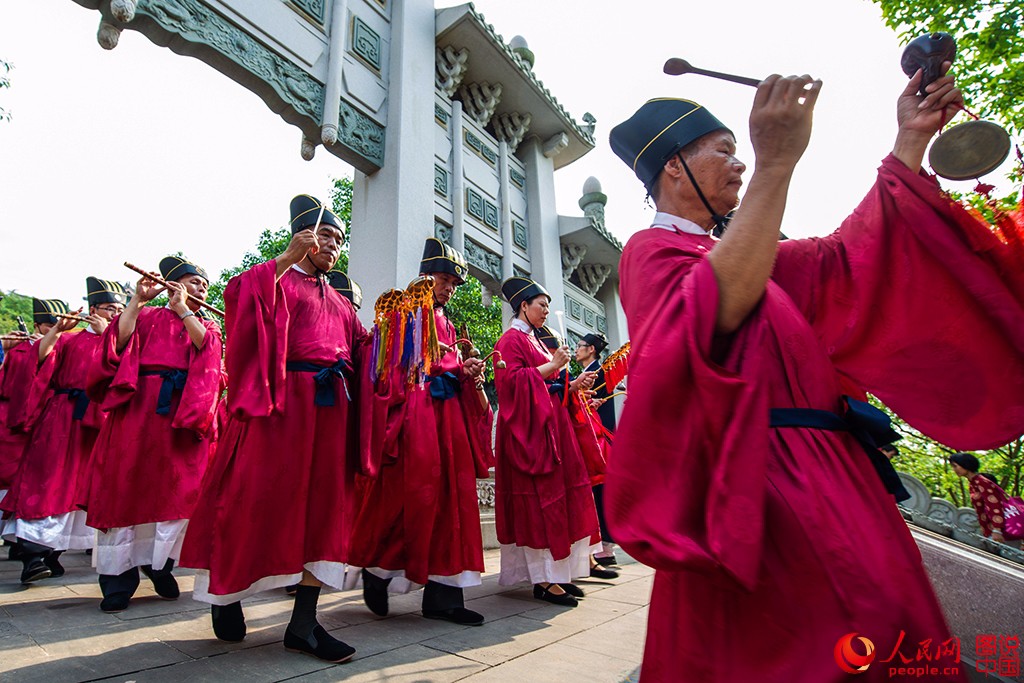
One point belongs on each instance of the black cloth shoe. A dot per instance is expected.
(541, 593)
(53, 562)
(607, 561)
(457, 615)
(375, 593)
(164, 583)
(228, 622)
(115, 602)
(573, 590)
(599, 573)
(35, 569)
(320, 644)
(291, 589)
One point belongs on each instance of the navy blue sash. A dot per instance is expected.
(174, 380)
(445, 386)
(80, 399)
(866, 423)
(324, 378)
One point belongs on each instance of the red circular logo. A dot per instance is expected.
(851, 661)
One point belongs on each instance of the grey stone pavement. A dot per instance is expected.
(54, 632)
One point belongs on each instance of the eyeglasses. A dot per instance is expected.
(582, 345)
(111, 309)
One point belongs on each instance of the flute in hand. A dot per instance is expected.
(159, 280)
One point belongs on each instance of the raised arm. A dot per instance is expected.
(780, 128)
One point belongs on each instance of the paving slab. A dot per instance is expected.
(54, 632)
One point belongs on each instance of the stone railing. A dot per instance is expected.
(942, 517)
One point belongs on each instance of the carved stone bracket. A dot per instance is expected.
(485, 493)
(593, 275)
(479, 100)
(511, 128)
(572, 256)
(554, 145)
(450, 66)
(197, 23)
(485, 260)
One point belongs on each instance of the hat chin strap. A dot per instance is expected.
(720, 221)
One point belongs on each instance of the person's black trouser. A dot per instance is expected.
(606, 535)
(128, 582)
(439, 597)
(31, 551)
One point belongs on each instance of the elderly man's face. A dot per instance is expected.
(330, 239)
(717, 170)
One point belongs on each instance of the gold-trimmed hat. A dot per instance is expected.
(104, 292)
(43, 310)
(516, 290)
(305, 209)
(174, 268)
(346, 286)
(439, 257)
(659, 129)
(548, 337)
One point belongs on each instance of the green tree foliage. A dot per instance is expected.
(11, 307)
(5, 82)
(483, 321)
(928, 460)
(990, 52)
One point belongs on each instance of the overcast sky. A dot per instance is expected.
(136, 153)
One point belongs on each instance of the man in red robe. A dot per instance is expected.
(274, 509)
(736, 471)
(17, 375)
(419, 518)
(63, 425)
(158, 378)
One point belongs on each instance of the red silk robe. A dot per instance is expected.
(771, 544)
(16, 376)
(542, 492)
(57, 454)
(420, 513)
(277, 496)
(147, 467)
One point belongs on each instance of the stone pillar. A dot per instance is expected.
(392, 210)
(507, 246)
(542, 219)
(458, 240)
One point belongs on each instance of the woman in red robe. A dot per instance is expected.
(544, 508)
(63, 426)
(17, 376)
(275, 505)
(157, 377)
(419, 517)
(736, 473)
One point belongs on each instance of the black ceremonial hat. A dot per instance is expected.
(657, 130)
(439, 257)
(516, 290)
(174, 268)
(598, 341)
(305, 210)
(346, 286)
(43, 310)
(548, 338)
(104, 292)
